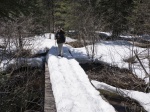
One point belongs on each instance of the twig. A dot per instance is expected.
(141, 63)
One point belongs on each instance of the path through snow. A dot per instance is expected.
(71, 87)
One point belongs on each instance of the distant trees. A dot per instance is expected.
(141, 17)
(64, 13)
(9, 8)
(22, 19)
(115, 14)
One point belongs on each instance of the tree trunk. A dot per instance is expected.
(20, 39)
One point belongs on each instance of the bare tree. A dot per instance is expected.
(18, 83)
(88, 25)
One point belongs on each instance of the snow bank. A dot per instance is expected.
(21, 62)
(142, 98)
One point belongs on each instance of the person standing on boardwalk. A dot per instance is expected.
(60, 38)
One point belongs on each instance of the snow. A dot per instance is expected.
(113, 53)
(72, 89)
(106, 33)
(20, 62)
(38, 44)
(44, 42)
(142, 98)
(124, 36)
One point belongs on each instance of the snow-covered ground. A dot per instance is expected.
(71, 85)
(20, 62)
(37, 44)
(41, 43)
(114, 53)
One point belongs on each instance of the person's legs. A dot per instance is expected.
(60, 49)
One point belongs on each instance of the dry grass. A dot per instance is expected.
(140, 44)
(76, 44)
(120, 78)
(130, 60)
(122, 104)
(22, 53)
(22, 91)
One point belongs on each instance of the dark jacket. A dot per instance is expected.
(60, 36)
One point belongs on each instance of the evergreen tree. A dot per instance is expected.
(114, 14)
(61, 13)
(140, 19)
(10, 8)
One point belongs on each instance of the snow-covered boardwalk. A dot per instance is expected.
(71, 87)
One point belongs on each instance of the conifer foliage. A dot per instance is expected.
(116, 16)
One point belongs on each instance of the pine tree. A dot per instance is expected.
(140, 19)
(10, 8)
(114, 14)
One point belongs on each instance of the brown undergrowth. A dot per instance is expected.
(22, 91)
(76, 44)
(117, 77)
(121, 78)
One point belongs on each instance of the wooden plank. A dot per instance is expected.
(49, 102)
